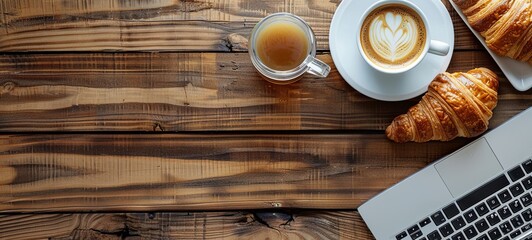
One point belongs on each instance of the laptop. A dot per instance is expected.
(481, 191)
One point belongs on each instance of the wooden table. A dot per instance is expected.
(145, 119)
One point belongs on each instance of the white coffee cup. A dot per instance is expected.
(430, 46)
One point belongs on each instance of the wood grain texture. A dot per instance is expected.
(62, 226)
(159, 25)
(187, 225)
(152, 172)
(194, 92)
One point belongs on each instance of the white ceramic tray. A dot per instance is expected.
(518, 73)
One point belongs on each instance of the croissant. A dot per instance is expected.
(506, 25)
(455, 105)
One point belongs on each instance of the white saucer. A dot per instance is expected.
(374, 84)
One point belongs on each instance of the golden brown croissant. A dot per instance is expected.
(505, 24)
(458, 104)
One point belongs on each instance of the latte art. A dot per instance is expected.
(393, 36)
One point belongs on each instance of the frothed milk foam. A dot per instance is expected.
(393, 36)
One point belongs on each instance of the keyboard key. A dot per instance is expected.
(517, 221)
(423, 238)
(483, 192)
(400, 236)
(438, 218)
(483, 237)
(527, 227)
(527, 165)
(504, 196)
(515, 234)
(493, 202)
(527, 215)
(470, 216)
(481, 225)
(516, 206)
(516, 173)
(493, 218)
(458, 223)
(504, 212)
(434, 236)
(527, 183)
(416, 235)
(505, 238)
(470, 232)
(526, 199)
(516, 189)
(451, 211)
(482, 209)
(494, 234)
(412, 229)
(506, 227)
(446, 230)
(458, 236)
(424, 222)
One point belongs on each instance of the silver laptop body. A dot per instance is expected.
(467, 178)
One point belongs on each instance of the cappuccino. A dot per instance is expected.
(393, 36)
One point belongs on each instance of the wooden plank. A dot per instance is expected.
(187, 225)
(159, 25)
(193, 92)
(251, 225)
(62, 226)
(162, 172)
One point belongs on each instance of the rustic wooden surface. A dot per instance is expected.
(193, 92)
(145, 120)
(159, 25)
(196, 225)
(155, 172)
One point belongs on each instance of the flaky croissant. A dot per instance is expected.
(455, 105)
(506, 25)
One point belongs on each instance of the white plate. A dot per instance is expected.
(518, 73)
(374, 84)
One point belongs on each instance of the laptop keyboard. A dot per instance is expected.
(499, 209)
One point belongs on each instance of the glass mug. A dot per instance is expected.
(310, 63)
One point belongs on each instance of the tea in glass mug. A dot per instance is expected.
(283, 48)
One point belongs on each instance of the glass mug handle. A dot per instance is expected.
(317, 67)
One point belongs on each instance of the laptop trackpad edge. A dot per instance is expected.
(469, 167)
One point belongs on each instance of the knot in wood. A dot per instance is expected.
(236, 42)
(8, 87)
(274, 219)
